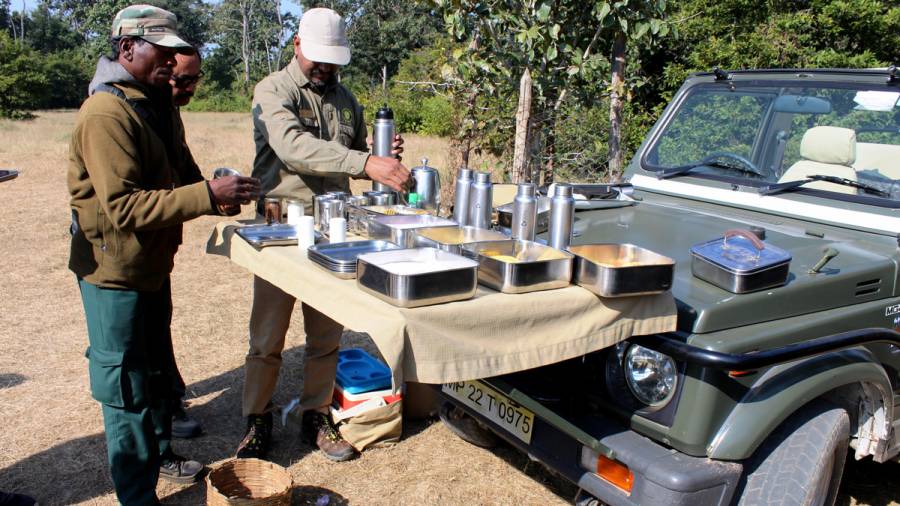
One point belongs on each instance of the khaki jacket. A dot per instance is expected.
(307, 142)
(128, 197)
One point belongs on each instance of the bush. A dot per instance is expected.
(211, 99)
(19, 78)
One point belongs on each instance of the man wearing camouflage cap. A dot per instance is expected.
(132, 183)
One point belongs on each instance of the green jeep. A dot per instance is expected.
(759, 395)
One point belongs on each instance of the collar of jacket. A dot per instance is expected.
(303, 82)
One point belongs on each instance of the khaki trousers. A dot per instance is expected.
(269, 321)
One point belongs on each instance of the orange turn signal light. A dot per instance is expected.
(615, 472)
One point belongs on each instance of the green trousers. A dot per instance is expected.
(132, 371)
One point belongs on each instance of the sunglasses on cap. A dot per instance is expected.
(186, 80)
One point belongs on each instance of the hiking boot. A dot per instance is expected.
(318, 428)
(178, 469)
(183, 426)
(257, 439)
(466, 427)
(10, 499)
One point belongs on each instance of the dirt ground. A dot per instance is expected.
(51, 441)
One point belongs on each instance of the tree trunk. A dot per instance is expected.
(22, 22)
(521, 153)
(245, 40)
(616, 104)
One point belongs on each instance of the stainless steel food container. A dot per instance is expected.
(520, 266)
(340, 258)
(541, 223)
(621, 270)
(452, 239)
(417, 277)
(359, 216)
(260, 236)
(398, 229)
(739, 262)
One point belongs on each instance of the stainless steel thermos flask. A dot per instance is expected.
(382, 139)
(524, 212)
(461, 197)
(562, 214)
(480, 200)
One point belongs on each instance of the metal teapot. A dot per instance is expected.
(428, 187)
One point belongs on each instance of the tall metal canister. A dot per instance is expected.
(562, 214)
(524, 212)
(480, 201)
(461, 196)
(383, 139)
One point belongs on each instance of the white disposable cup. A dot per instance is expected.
(337, 230)
(294, 213)
(306, 235)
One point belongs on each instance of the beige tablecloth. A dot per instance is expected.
(488, 335)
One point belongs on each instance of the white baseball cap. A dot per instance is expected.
(323, 37)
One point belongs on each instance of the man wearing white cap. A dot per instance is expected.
(310, 137)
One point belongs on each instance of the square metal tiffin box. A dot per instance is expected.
(417, 277)
(398, 229)
(452, 239)
(520, 266)
(621, 270)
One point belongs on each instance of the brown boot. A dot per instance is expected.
(318, 427)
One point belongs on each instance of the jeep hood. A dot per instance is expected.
(859, 273)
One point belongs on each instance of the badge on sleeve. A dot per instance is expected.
(346, 115)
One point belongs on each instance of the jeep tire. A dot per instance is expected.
(801, 462)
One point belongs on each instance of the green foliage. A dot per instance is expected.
(19, 79)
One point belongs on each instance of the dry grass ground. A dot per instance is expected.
(51, 441)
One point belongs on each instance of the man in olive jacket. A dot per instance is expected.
(310, 139)
(133, 183)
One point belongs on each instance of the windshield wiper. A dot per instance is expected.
(773, 189)
(709, 161)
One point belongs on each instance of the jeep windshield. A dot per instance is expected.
(833, 139)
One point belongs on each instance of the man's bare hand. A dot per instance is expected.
(388, 171)
(396, 146)
(234, 190)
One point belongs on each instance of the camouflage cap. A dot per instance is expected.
(155, 25)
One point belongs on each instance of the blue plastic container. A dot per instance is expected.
(358, 372)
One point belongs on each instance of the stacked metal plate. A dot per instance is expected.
(340, 258)
(261, 236)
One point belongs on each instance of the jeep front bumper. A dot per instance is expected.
(661, 475)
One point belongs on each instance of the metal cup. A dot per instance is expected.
(225, 172)
(330, 209)
(318, 204)
(382, 198)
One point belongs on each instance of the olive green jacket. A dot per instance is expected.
(308, 141)
(128, 197)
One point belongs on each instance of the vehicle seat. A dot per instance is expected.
(828, 151)
(883, 158)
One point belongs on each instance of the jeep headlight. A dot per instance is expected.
(650, 375)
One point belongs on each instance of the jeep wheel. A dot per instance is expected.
(801, 462)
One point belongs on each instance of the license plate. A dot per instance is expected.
(494, 405)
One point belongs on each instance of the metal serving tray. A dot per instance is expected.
(271, 235)
(359, 216)
(398, 229)
(621, 270)
(417, 277)
(520, 266)
(541, 224)
(340, 258)
(451, 239)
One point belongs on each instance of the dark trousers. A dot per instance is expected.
(132, 372)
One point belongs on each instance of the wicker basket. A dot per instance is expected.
(248, 481)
